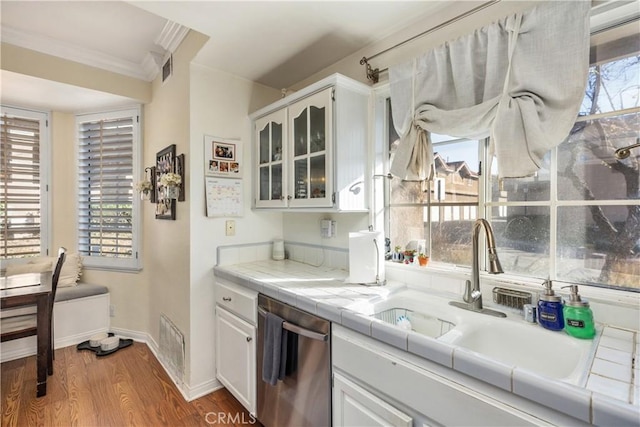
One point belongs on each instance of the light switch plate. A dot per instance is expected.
(230, 228)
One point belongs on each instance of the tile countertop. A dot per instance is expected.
(605, 400)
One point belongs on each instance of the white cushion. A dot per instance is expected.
(40, 266)
(18, 311)
(71, 269)
(17, 323)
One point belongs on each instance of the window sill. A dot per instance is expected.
(112, 269)
(528, 284)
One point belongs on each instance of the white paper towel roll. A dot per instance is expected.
(365, 262)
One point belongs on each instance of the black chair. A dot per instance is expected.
(25, 325)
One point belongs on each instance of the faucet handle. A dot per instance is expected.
(466, 297)
(470, 295)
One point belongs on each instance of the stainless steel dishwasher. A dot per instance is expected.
(302, 398)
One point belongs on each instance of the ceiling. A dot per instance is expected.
(276, 43)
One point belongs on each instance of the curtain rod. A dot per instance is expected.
(373, 75)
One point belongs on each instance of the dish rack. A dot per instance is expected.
(392, 315)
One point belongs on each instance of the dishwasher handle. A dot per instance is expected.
(298, 329)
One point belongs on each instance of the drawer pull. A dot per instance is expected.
(226, 298)
(248, 339)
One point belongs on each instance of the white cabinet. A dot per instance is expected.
(311, 141)
(271, 154)
(407, 389)
(236, 311)
(354, 406)
(311, 148)
(236, 357)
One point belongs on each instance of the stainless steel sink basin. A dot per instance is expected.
(418, 322)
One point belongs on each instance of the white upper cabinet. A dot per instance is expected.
(271, 154)
(311, 139)
(311, 148)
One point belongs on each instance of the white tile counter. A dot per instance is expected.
(610, 394)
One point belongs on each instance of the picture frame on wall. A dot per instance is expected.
(180, 170)
(165, 163)
(223, 157)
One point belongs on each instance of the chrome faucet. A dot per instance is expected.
(472, 295)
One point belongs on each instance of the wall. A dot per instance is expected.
(350, 65)
(305, 227)
(36, 64)
(220, 104)
(166, 243)
(129, 291)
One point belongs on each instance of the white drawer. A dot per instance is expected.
(237, 299)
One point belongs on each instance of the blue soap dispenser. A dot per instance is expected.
(550, 309)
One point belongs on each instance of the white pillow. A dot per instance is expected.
(71, 271)
(69, 275)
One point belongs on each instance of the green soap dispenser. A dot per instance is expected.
(578, 317)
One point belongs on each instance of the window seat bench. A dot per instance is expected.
(79, 312)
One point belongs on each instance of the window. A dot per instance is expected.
(576, 220)
(108, 161)
(579, 217)
(438, 215)
(24, 158)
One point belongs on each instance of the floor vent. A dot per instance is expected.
(171, 348)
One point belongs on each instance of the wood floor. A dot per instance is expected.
(127, 388)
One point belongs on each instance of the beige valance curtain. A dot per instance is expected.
(520, 80)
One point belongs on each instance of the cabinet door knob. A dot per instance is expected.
(249, 339)
(281, 197)
(226, 298)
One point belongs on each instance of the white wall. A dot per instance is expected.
(220, 104)
(305, 227)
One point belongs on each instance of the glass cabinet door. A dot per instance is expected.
(271, 156)
(310, 127)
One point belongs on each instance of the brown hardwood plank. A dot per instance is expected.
(11, 386)
(127, 388)
(81, 403)
(129, 404)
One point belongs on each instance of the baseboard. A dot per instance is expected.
(25, 347)
(76, 339)
(203, 389)
(17, 349)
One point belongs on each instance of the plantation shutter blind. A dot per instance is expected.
(20, 186)
(105, 180)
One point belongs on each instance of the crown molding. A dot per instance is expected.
(151, 64)
(76, 53)
(171, 36)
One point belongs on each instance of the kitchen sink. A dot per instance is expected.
(508, 340)
(554, 354)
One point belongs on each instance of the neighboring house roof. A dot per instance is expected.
(448, 168)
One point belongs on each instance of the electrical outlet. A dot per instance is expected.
(230, 228)
(327, 228)
(112, 310)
